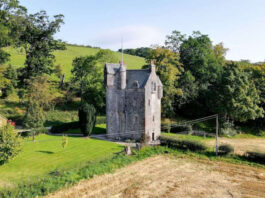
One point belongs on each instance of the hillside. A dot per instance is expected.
(65, 58)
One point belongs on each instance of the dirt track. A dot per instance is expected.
(164, 176)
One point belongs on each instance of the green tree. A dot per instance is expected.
(169, 70)
(11, 16)
(10, 74)
(4, 83)
(87, 118)
(39, 44)
(10, 143)
(87, 77)
(236, 96)
(219, 52)
(64, 141)
(198, 57)
(39, 99)
(203, 64)
(174, 41)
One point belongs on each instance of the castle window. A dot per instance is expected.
(153, 86)
(136, 84)
(153, 118)
(149, 102)
(153, 136)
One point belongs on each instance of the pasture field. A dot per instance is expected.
(171, 176)
(240, 143)
(65, 58)
(47, 154)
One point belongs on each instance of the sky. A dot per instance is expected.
(239, 24)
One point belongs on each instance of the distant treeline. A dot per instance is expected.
(78, 45)
(142, 51)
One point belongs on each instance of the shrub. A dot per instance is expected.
(255, 156)
(87, 118)
(101, 120)
(10, 143)
(65, 127)
(178, 129)
(225, 149)
(182, 144)
(228, 129)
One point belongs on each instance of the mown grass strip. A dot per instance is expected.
(60, 178)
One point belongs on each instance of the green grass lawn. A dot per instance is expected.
(46, 154)
(65, 58)
(187, 137)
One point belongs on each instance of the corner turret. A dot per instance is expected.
(122, 76)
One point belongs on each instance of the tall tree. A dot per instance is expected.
(39, 43)
(197, 56)
(39, 98)
(87, 77)
(11, 16)
(236, 96)
(174, 41)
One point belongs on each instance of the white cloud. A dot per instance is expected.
(133, 36)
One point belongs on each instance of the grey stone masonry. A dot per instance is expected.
(133, 102)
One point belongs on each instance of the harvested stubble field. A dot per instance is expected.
(241, 145)
(168, 176)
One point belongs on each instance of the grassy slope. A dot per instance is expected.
(65, 58)
(46, 154)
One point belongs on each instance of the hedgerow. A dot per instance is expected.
(182, 144)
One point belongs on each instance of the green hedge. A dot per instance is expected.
(255, 157)
(225, 149)
(101, 120)
(64, 127)
(178, 129)
(74, 125)
(182, 144)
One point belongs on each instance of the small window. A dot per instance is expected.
(149, 102)
(153, 136)
(153, 86)
(153, 118)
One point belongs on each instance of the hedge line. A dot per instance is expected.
(182, 144)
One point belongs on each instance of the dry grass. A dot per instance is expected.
(165, 176)
(241, 145)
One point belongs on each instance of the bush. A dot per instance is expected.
(10, 143)
(182, 144)
(178, 129)
(65, 127)
(225, 149)
(87, 118)
(255, 156)
(101, 120)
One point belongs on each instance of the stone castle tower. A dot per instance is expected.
(133, 102)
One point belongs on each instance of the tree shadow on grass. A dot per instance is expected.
(46, 152)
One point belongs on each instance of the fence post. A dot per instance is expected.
(216, 136)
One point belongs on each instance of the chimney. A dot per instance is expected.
(152, 67)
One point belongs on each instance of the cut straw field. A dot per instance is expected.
(168, 176)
